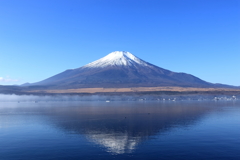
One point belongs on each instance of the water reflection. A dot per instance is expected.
(121, 127)
(118, 127)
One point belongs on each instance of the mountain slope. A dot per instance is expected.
(121, 69)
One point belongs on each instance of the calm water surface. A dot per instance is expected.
(119, 130)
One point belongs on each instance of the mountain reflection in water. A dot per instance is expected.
(121, 127)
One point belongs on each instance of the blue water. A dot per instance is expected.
(119, 130)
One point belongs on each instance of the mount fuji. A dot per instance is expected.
(120, 69)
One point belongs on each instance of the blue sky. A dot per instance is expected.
(41, 38)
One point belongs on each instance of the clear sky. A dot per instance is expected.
(41, 38)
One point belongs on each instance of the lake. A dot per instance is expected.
(119, 130)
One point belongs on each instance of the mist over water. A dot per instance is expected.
(124, 97)
(29, 98)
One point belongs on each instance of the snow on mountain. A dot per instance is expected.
(117, 58)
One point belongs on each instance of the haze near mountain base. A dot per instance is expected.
(121, 69)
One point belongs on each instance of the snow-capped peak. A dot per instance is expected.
(117, 58)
